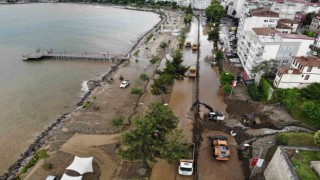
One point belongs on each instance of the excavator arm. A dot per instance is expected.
(204, 104)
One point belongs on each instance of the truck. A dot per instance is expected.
(186, 164)
(194, 46)
(192, 72)
(187, 44)
(220, 147)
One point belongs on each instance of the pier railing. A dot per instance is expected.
(49, 54)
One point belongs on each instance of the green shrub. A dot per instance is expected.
(94, 97)
(126, 63)
(227, 89)
(144, 77)
(254, 92)
(136, 90)
(117, 121)
(86, 104)
(282, 139)
(47, 166)
(264, 88)
(226, 78)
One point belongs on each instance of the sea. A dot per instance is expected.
(33, 94)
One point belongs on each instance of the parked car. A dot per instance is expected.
(124, 84)
(234, 60)
(50, 177)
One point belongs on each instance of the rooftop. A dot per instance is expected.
(289, 21)
(264, 31)
(284, 70)
(264, 13)
(308, 61)
(283, 26)
(294, 36)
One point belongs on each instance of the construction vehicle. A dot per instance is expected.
(187, 44)
(220, 147)
(212, 115)
(249, 120)
(194, 46)
(186, 164)
(192, 72)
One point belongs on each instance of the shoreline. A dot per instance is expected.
(43, 137)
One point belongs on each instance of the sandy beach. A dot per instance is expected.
(90, 132)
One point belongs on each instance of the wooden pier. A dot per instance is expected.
(49, 54)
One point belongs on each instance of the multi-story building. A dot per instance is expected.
(265, 44)
(311, 7)
(300, 17)
(288, 9)
(201, 4)
(315, 24)
(287, 26)
(257, 18)
(302, 72)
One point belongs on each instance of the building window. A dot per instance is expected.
(271, 20)
(302, 75)
(285, 61)
(309, 69)
(307, 77)
(290, 47)
(265, 20)
(283, 48)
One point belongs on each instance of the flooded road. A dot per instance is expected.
(211, 94)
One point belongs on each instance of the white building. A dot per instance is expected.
(201, 4)
(311, 7)
(257, 18)
(302, 72)
(288, 24)
(265, 44)
(315, 24)
(288, 9)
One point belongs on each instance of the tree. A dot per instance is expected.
(214, 12)
(308, 19)
(163, 45)
(160, 85)
(175, 68)
(154, 59)
(153, 134)
(311, 92)
(189, 10)
(117, 122)
(311, 111)
(267, 68)
(214, 36)
(188, 19)
(317, 137)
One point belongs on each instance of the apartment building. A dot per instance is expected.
(288, 9)
(287, 26)
(257, 18)
(315, 24)
(302, 72)
(265, 44)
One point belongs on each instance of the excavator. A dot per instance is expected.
(212, 115)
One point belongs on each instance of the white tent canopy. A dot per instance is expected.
(67, 177)
(81, 165)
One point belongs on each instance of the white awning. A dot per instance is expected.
(67, 177)
(81, 165)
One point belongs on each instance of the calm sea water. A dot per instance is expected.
(34, 94)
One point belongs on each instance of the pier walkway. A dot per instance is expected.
(42, 54)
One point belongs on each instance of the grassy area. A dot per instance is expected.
(295, 139)
(301, 162)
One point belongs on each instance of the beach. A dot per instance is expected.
(90, 132)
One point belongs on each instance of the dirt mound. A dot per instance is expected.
(240, 107)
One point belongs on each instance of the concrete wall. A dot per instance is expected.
(280, 167)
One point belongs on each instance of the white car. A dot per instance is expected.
(124, 84)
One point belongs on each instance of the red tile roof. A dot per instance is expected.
(284, 70)
(264, 13)
(264, 31)
(283, 26)
(289, 21)
(308, 61)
